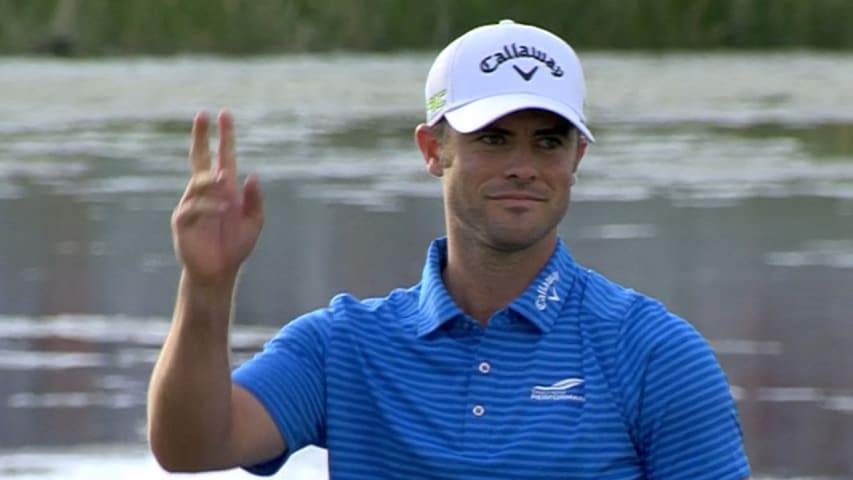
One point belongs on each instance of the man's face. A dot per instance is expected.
(507, 186)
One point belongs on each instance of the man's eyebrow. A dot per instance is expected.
(492, 128)
(559, 130)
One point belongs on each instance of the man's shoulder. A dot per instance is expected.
(397, 306)
(398, 298)
(626, 310)
(606, 300)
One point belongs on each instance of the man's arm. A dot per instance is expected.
(197, 419)
(689, 420)
(678, 402)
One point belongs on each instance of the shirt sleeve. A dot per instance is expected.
(288, 379)
(687, 420)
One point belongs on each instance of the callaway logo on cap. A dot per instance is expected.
(498, 69)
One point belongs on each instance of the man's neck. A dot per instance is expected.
(483, 280)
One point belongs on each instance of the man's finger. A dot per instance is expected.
(226, 151)
(192, 210)
(199, 148)
(253, 202)
(200, 184)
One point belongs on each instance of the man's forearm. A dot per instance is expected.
(189, 398)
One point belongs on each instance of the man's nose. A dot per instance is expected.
(521, 165)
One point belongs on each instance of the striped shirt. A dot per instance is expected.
(578, 378)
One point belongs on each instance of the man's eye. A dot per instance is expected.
(550, 142)
(492, 139)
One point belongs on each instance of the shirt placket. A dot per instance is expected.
(482, 413)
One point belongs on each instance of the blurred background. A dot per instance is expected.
(721, 183)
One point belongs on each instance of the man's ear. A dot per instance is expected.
(429, 145)
(581, 150)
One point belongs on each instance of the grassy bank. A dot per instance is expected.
(96, 27)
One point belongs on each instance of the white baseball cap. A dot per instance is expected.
(498, 69)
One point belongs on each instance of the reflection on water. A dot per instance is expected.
(823, 253)
(132, 463)
(718, 185)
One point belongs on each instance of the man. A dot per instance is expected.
(507, 360)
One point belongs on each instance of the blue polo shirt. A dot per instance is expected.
(578, 378)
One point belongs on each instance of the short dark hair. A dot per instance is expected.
(442, 136)
(440, 131)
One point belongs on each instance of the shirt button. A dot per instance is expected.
(485, 367)
(478, 410)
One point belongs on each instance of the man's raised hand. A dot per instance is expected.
(216, 223)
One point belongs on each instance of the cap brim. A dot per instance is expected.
(479, 113)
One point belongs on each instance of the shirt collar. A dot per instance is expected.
(540, 304)
(435, 303)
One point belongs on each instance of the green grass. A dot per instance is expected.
(99, 27)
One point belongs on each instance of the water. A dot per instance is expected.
(721, 184)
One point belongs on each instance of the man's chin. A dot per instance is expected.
(512, 240)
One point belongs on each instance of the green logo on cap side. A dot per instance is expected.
(436, 102)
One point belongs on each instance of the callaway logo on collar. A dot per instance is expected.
(546, 291)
